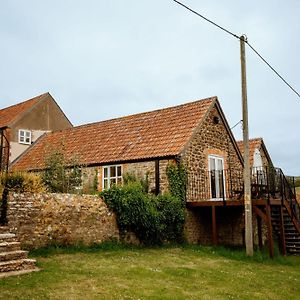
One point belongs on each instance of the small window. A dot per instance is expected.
(24, 137)
(112, 175)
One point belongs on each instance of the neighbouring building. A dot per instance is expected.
(258, 153)
(24, 123)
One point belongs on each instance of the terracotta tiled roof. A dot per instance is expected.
(253, 144)
(10, 114)
(154, 134)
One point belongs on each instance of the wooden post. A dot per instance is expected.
(259, 232)
(247, 182)
(157, 175)
(282, 233)
(270, 231)
(1, 149)
(214, 226)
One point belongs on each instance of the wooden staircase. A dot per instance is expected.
(13, 260)
(290, 232)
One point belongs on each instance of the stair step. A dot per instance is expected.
(296, 234)
(292, 241)
(293, 250)
(4, 229)
(19, 254)
(9, 246)
(17, 265)
(7, 237)
(18, 273)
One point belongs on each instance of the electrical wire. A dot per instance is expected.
(236, 36)
(206, 19)
(239, 122)
(265, 61)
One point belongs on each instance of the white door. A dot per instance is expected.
(217, 177)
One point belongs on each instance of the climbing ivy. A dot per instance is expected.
(177, 178)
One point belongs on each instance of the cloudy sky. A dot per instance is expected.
(102, 59)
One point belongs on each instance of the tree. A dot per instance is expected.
(62, 175)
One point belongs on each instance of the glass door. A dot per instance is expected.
(217, 178)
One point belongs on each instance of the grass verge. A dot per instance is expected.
(114, 271)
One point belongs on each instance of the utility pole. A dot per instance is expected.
(247, 182)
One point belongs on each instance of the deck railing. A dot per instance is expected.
(216, 184)
(266, 183)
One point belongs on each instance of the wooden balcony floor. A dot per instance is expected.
(230, 202)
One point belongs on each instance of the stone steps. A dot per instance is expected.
(9, 246)
(4, 229)
(19, 254)
(7, 237)
(17, 265)
(13, 260)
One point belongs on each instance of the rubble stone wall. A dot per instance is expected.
(41, 220)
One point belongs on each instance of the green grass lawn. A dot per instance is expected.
(155, 273)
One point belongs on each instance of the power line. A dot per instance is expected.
(239, 122)
(264, 60)
(206, 19)
(236, 36)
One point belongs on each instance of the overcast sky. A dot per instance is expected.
(104, 59)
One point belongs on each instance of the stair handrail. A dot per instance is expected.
(290, 198)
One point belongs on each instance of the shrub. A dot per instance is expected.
(297, 181)
(22, 182)
(62, 175)
(19, 183)
(154, 219)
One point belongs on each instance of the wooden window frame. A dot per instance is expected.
(108, 180)
(25, 137)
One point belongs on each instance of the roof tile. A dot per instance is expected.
(253, 144)
(10, 114)
(147, 135)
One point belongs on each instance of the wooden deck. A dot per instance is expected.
(230, 202)
(262, 212)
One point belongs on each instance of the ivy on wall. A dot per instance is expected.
(177, 178)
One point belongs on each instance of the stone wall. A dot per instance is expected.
(40, 220)
(230, 226)
(139, 169)
(211, 138)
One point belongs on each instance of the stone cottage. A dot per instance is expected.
(196, 134)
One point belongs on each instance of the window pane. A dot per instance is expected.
(105, 172)
(220, 164)
(105, 184)
(212, 164)
(21, 133)
(119, 181)
(213, 184)
(119, 171)
(112, 182)
(113, 171)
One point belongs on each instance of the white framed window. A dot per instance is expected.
(216, 177)
(24, 136)
(112, 175)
